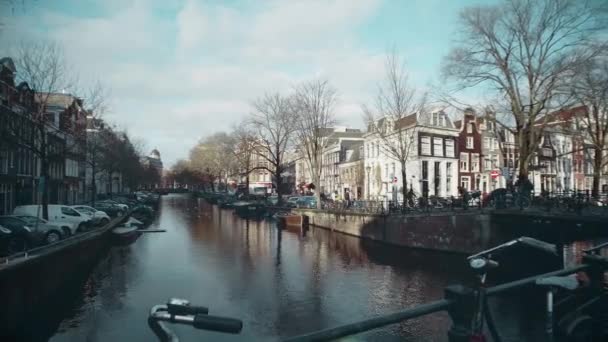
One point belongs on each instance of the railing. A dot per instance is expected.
(459, 302)
(576, 202)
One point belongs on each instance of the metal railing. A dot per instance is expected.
(458, 302)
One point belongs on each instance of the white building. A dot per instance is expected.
(432, 166)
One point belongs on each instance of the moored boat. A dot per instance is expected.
(249, 209)
(290, 219)
(125, 234)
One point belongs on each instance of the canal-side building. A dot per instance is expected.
(470, 151)
(431, 167)
(491, 152)
(18, 163)
(337, 143)
(351, 170)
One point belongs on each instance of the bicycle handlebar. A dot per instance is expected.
(217, 323)
(181, 312)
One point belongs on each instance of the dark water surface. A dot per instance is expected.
(279, 283)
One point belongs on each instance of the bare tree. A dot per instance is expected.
(590, 87)
(523, 50)
(313, 105)
(273, 122)
(43, 67)
(211, 157)
(242, 147)
(392, 120)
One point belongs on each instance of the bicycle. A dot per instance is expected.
(179, 311)
(579, 314)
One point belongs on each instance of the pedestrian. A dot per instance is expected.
(347, 198)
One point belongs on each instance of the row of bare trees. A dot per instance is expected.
(533, 58)
(277, 125)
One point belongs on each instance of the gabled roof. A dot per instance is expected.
(406, 121)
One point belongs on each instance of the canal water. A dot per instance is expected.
(279, 282)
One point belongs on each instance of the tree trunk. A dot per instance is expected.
(597, 171)
(404, 182)
(279, 182)
(93, 184)
(44, 172)
(317, 181)
(44, 175)
(110, 181)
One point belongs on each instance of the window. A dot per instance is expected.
(475, 162)
(386, 170)
(464, 162)
(487, 164)
(449, 148)
(69, 211)
(465, 182)
(494, 144)
(425, 146)
(438, 147)
(425, 177)
(435, 119)
(470, 142)
(448, 178)
(442, 120)
(495, 161)
(470, 127)
(486, 142)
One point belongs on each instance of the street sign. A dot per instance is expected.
(494, 174)
(395, 180)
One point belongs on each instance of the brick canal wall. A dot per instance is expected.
(450, 232)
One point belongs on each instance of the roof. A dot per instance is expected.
(457, 123)
(8, 63)
(406, 121)
(57, 99)
(563, 115)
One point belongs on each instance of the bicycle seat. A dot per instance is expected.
(567, 282)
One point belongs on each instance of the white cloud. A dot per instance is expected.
(177, 76)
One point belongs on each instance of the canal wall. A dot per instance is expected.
(460, 232)
(29, 281)
(449, 232)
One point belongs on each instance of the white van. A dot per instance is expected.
(57, 213)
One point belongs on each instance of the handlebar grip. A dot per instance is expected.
(195, 310)
(216, 323)
(492, 264)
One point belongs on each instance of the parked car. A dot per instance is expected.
(123, 206)
(99, 217)
(309, 202)
(57, 212)
(113, 210)
(292, 202)
(27, 236)
(5, 241)
(66, 228)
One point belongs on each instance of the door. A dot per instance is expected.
(70, 215)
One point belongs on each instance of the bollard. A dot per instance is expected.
(461, 312)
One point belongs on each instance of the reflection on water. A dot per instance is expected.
(279, 282)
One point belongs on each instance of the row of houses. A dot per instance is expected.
(471, 152)
(52, 129)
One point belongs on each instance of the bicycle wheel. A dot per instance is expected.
(523, 202)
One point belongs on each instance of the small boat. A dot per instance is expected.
(249, 209)
(124, 235)
(289, 219)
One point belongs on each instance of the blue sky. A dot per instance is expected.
(180, 70)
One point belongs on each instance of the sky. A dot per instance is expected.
(178, 71)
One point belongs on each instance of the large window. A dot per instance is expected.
(486, 142)
(475, 162)
(448, 178)
(470, 144)
(464, 162)
(425, 146)
(465, 182)
(470, 127)
(487, 164)
(449, 148)
(438, 147)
